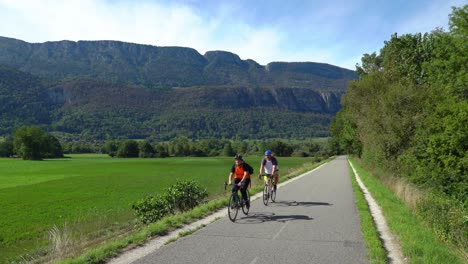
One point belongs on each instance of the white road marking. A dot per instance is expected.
(282, 228)
(254, 261)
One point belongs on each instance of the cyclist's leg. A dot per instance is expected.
(265, 178)
(243, 190)
(275, 179)
(234, 185)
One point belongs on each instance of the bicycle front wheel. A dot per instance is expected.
(266, 194)
(233, 207)
(273, 194)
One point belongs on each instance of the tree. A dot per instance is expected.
(31, 143)
(111, 147)
(6, 147)
(146, 150)
(369, 63)
(52, 147)
(128, 149)
(228, 151)
(281, 148)
(407, 114)
(458, 22)
(162, 150)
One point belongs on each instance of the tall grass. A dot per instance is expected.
(61, 242)
(417, 238)
(448, 218)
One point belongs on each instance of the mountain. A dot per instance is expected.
(109, 88)
(163, 66)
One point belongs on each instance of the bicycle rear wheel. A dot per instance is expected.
(245, 210)
(233, 207)
(273, 194)
(266, 194)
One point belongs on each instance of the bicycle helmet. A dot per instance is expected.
(238, 157)
(268, 152)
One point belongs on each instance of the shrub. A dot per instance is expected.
(186, 195)
(180, 197)
(151, 208)
(447, 217)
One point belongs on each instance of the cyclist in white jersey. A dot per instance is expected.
(269, 166)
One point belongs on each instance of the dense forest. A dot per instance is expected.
(99, 90)
(408, 115)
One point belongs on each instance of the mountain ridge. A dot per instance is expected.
(108, 89)
(156, 66)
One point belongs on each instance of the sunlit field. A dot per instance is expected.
(92, 194)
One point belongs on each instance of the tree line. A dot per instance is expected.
(407, 115)
(408, 112)
(31, 142)
(183, 146)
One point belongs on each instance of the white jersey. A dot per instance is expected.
(268, 165)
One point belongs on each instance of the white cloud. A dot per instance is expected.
(337, 32)
(138, 22)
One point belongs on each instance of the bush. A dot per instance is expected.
(186, 195)
(447, 217)
(151, 208)
(180, 197)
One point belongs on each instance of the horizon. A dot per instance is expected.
(337, 33)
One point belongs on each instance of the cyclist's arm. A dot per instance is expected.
(262, 167)
(274, 162)
(230, 178)
(243, 178)
(261, 170)
(231, 174)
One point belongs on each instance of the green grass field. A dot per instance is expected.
(93, 194)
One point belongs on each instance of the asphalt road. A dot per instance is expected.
(314, 220)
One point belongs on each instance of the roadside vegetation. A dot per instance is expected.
(418, 242)
(406, 119)
(376, 253)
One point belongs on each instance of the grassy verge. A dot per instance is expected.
(112, 248)
(376, 253)
(417, 240)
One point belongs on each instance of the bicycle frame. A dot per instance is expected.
(236, 202)
(269, 192)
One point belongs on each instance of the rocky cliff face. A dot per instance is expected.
(153, 66)
(111, 88)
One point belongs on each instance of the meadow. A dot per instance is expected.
(92, 194)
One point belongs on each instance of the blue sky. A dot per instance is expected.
(337, 32)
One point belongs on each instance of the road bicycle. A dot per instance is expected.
(236, 202)
(269, 190)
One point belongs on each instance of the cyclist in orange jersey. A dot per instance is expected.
(241, 172)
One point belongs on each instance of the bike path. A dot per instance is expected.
(314, 220)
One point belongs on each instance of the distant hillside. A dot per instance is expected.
(102, 89)
(109, 109)
(23, 99)
(153, 66)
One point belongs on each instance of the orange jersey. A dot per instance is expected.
(240, 170)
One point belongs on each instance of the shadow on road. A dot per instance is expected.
(254, 218)
(295, 203)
